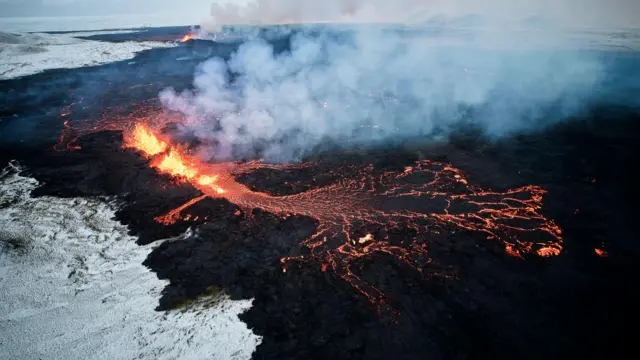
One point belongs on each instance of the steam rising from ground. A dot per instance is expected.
(358, 84)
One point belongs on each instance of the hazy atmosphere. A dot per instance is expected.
(589, 13)
(191, 10)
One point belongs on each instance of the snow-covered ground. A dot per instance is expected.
(72, 287)
(25, 53)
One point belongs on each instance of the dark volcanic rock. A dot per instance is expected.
(227, 251)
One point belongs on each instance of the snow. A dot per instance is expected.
(72, 287)
(25, 54)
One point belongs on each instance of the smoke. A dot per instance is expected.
(349, 84)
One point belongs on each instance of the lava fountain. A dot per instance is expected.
(187, 37)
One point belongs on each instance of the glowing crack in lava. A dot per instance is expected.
(362, 213)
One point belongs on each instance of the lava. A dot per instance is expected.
(366, 201)
(143, 139)
(186, 38)
(173, 161)
(600, 252)
(77, 122)
(174, 215)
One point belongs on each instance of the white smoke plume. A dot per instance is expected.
(363, 83)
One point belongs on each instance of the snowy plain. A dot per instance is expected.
(72, 286)
(30, 53)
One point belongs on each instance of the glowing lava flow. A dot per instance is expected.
(173, 161)
(144, 140)
(186, 38)
(359, 214)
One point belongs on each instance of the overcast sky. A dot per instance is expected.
(102, 7)
(607, 13)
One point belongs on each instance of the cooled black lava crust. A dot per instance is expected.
(499, 307)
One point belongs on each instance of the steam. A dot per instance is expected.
(350, 84)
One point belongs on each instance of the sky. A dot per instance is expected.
(195, 8)
(581, 13)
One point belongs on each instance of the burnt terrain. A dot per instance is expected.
(477, 302)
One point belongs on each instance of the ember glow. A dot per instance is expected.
(601, 252)
(360, 214)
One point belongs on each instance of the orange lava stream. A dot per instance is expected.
(601, 252)
(174, 215)
(444, 201)
(144, 140)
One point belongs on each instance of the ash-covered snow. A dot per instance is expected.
(72, 286)
(26, 53)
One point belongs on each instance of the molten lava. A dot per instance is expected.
(186, 38)
(144, 140)
(365, 199)
(173, 161)
(601, 252)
